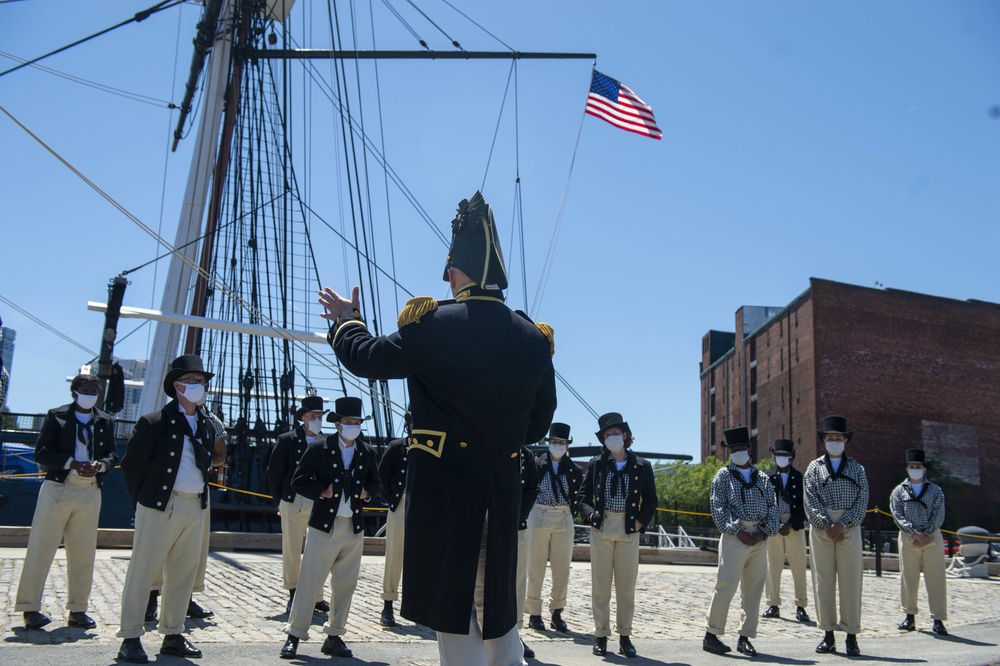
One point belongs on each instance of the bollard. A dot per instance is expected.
(878, 542)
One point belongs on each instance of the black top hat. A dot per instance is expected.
(916, 456)
(346, 407)
(610, 420)
(834, 425)
(475, 248)
(783, 447)
(559, 431)
(310, 403)
(736, 437)
(180, 367)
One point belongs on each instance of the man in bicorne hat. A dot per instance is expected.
(166, 466)
(392, 477)
(745, 511)
(836, 488)
(550, 528)
(791, 538)
(293, 508)
(918, 510)
(339, 474)
(481, 385)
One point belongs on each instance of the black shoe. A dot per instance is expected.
(908, 624)
(290, 648)
(772, 611)
(388, 619)
(81, 620)
(151, 607)
(711, 643)
(535, 622)
(335, 647)
(35, 620)
(322, 606)
(197, 612)
(828, 644)
(801, 615)
(528, 652)
(852, 646)
(743, 646)
(601, 646)
(938, 628)
(625, 647)
(178, 646)
(558, 623)
(132, 652)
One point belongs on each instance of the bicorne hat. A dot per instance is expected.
(475, 248)
(559, 431)
(610, 420)
(346, 407)
(310, 403)
(783, 447)
(834, 425)
(180, 367)
(736, 437)
(916, 456)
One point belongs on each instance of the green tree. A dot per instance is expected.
(686, 487)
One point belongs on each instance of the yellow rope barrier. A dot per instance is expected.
(687, 513)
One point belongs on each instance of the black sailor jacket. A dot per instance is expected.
(793, 493)
(322, 465)
(56, 443)
(285, 456)
(392, 472)
(641, 502)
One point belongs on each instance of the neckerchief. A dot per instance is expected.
(839, 473)
(85, 433)
(744, 484)
(915, 497)
(617, 475)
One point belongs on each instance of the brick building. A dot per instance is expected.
(907, 370)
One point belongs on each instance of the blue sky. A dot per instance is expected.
(843, 140)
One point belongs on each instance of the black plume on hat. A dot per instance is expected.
(310, 403)
(834, 425)
(475, 249)
(916, 456)
(736, 437)
(180, 367)
(783, 447)
(559, 431)
(348, 407)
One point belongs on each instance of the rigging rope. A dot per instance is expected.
(405, 24)
(470, 20)
(451, 39)
(42, 323)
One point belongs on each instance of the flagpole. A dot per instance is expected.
(544, 278)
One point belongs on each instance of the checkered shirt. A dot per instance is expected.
(846, 490)
(783, 506)
(615, 502)
(914, 513)
(216, 426)
(732, 500)
(547, 496)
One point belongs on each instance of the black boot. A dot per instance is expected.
(151, 606)
(335, 647)
(711, 643)
(528, 652)
(938, 628)
(536, 623)
(196, 612)
(178, 646)
(625, 647)
(35, 620)
(322, 606)
(558, 623)
(388, 619)
(772, 611)
(907, 624)
(743, 646)
(132, 652)
(801, 615)
(601, 646)
(290, 648)
(81, 620)
(828, 644)
(852, 645)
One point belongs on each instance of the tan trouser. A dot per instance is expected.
(550, 539)
(169, 540)
(792, 546)
(336, 554)
(470, 649)
(744, 567)
(206, 539)
(837, 566)
(522, 570)
(614, 555)
(294, 522)
(63, 511)
(393, 551)
(930, 560)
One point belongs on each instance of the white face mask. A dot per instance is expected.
(916, 474)
(557, 450)
(349, 433)
(783, 461)
(615, 443)
(835, 449)
(315, 426)
(85, 401)
(194, 392)
(740, 457)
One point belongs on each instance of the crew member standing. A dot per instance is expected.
(529, 491)
(618, 499)
(76, 445)
(836, 490)
(918, 510)
(294, 509)
(481, 385)
(550, 528)
(745, 512)
(791, 538)
(392, 477)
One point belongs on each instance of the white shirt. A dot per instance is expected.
(746, 473)
(784, 479)
(620, 465)
(555, 465)
(347, 455)
(835, 463)
(189, 478)
(80, 453)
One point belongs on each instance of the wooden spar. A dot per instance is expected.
(326, 54)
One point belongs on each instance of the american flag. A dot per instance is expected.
(611, 101)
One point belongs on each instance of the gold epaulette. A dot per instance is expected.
(414, 309)
(548, 333)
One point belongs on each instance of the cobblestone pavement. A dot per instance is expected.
(244, 590)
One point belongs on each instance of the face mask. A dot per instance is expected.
(783, 461)
(740, 457)
(349, 433)
(85, 401)
(315, 426)
(194, 392)
(835, 449)
(916, 474)
(615, 443)
(557, 450)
